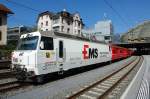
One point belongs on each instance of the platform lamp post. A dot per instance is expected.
(20, 30)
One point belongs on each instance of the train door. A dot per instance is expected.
(61, 56)
(46, 55)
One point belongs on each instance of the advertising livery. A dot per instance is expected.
(41, 53)
(89, 52)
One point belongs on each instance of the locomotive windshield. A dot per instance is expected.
(29, 43)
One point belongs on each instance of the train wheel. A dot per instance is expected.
(40, 79)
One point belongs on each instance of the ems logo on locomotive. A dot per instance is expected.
(89, 52)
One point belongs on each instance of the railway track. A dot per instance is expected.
(108, 86)
(11, 86)
(7, 79)
(6, 73)
(5, 64)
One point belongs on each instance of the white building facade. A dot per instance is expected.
(45, 21)
(62, 22)
(102, 31)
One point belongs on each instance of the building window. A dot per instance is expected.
(79, 24)
(62, 21)
(78, 31)
(107, 37)
(68, 30)
(76, 17)
(56, 21)
(46, 16)
(75, 23)
(0, 21)
(68, 22)
(56, 28)
(41, 17)
(42, 24)
(62, 28)
(0, 35)
(46, 23)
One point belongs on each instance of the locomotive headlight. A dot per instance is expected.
(24, 69)
(15, 59)
(22, 66)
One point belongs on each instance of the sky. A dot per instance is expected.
(125, 14)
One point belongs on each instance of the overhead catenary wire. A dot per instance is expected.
(38, 11)
(24, 6)
(19, 21)
(116, 12)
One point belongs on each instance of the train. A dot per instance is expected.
(46, 52)
(120, 52)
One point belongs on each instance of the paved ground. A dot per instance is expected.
(60, 88)
(139, 88)
(144, 90)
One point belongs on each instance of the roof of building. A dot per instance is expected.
(46, 13)
(5, 9)
(63, 14)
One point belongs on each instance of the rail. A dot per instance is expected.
(101, 89)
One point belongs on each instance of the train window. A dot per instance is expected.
(109, 48)
(60, 49)
(46, 43)
(121, 51)
(0, 35)
(28, 43)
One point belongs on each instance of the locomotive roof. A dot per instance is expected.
(65, 35)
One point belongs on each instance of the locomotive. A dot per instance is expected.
(42, 53)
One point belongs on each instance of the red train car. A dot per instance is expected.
(120, 52)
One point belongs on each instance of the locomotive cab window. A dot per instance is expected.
(28, 43)
(46, 43)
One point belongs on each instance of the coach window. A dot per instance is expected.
(46, 43)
